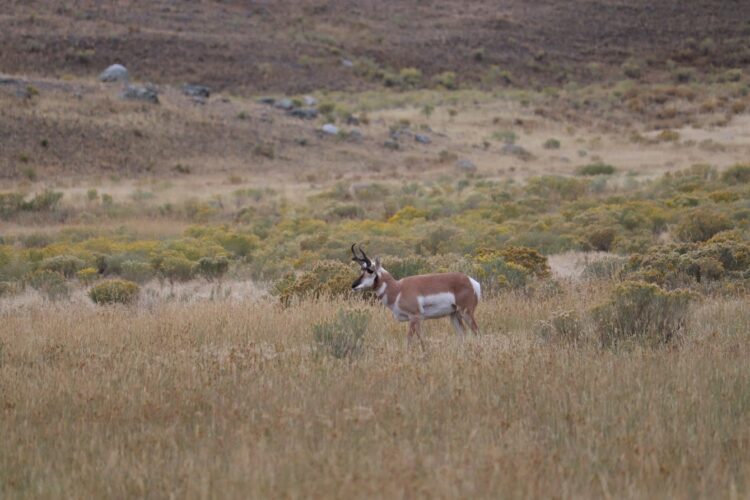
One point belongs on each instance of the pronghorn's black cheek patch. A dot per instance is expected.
(357, 282)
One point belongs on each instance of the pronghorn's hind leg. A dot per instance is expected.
(474, 325)
(458, 324)
(468, 317)
(415, 327)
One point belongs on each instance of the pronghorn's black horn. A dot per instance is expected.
(355, 258)
(364, 257)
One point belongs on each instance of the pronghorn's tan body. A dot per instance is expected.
(428, 296)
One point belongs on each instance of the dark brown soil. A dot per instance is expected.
(295, 46)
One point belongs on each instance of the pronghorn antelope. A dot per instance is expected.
(416, 298)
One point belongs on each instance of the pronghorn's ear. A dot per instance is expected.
(377, 264)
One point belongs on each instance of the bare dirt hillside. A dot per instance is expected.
(299, 45)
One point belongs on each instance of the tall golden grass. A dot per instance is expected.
(228, 400)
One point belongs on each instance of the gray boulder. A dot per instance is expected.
(193, 90)
(397, 133)
(115, 73)
(285, 104)
(136, 93)
(304, 113)
(329, 129)
(466, 165)
(310, 101)
(267, 100)
(422, 139)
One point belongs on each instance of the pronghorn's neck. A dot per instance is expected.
(387, 288)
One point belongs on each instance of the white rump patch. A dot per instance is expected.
(477, 288)
(437, 305)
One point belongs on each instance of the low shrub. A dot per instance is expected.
(632, 69)
(402, 267)
(446, 80)
(738, 174)
(528, 258)
(212, 268)
(325, 278)
(701, 223)
(669, 136)
(67, 265)
(13, 203)
(563, 326)
(175, 268)
(552, 188)
(342, 338)
(607, 268)
(596, 169)
(114, 291)
(643, 313)
(137, 271)
(551, 144)
(410, 77)
(601, 238)
(495, 274)
(50, 283)
(87, 275)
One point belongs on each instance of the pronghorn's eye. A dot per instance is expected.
(370, 271)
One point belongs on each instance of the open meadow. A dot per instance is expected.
(176, 312)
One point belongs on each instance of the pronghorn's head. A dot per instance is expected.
(370, 272)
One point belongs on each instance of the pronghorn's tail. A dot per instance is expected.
(477, 288)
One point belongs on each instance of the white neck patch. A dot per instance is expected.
(381, 293)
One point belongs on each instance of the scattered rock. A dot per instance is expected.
(398, 132)
(193, 90)
(422, 138)
(304, 113)
(310, 101)
(136, 93)
(285, 104)
(391, 144)
(347, 62)
(115, 73)
(267, 100)
(516, 150)
(352, 120)
(329, 129)
(466, 165)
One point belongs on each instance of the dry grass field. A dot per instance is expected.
(226, 399)
(176, 319)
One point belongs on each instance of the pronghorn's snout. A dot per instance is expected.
(356, 283)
